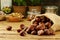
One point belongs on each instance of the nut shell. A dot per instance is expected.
(40, 32)
(9, 28)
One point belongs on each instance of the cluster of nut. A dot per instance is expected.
(22, 30)
(41, 26)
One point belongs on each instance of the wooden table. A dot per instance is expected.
(13, 35)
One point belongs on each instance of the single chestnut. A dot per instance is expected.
(32, 27)
(40, 32)
(35, 25)
(42, 17)
(22, 26)
(34, 32)
(48, 25)
(28, 30)
(18, 30)
(40, 27)
(35, 22)
(37, 18)
(22, 33)
(47, 32)
(9, 28)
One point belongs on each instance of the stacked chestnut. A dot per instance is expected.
(22, 30)
(41, 26)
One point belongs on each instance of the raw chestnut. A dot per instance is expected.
(32, 27)
(42, 17)
(9, 28)
(41, 23)
(40, 32)
(37, 18)
(35, 22)
(22, 26)
(33, 32)
(47, 32)
(35, 25)
(18, 30)
(22, 33)
(28, 31)
(40, 27)
(48, 24)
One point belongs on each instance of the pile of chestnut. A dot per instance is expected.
(21, 30)
(41, 26)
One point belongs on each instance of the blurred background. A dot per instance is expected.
(26, 3)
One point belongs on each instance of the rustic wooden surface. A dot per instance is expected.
(13, 35)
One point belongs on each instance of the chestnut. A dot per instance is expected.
(40, 32)
(22, 33)
(37, 18)
(22, 26)
(9, 28)
(32, 27)
(42, 17)
(40, 27)
(18, 30)
(28, 30)
(35, 22)
(34, 32)
(41, 23)
(48, 25)
(47, 32)
(35, 25)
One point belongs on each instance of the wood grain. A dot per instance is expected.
(13, 35)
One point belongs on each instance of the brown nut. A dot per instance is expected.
(40, 32)
(22, 33)
(18, 30)
(28, 31)
(46, 32)
(22, 26)
(40, 27)
(48, 25)
(32, 27)
(9, 28)
(35, 22)
(37, 18)
(33, 32)
(35, 25)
